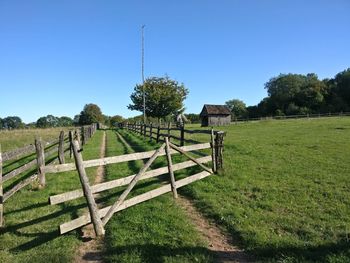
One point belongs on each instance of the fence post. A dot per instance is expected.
(40, 160)
(1, 193)
(144, 130)
(158, 133)
(150, 131)
(170, 168)
(83, 136)
(213, 156)
(70, 136)
(182, 135)
(94, 213)
(169, 130)
(76, 137)
(61, 148)
(219, 144)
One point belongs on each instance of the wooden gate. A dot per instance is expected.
(100, 217)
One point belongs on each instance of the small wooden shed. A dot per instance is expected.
(215, 115)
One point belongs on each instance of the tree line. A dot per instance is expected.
(297, 94)
(91, 113)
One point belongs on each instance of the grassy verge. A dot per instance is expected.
(284, 192)
(31, 232)
(154, 231)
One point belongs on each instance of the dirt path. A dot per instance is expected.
(91, 250)
(217, 241)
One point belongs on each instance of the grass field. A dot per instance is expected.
(154, 231)
(10, 140)
(285, 189)
(283, 196)
(31, 233)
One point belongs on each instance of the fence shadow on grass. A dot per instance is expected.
(150, 253)
(319, 253)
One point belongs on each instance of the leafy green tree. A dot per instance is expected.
(76, 119)
(48, 122)
(341, 90)
(12, 122)
(42, 123)
(91, 114)
(164, 97)
(237, 107)
(65, 121)
(193, 117)
(116, 119)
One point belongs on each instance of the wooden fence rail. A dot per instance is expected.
(37, 154)
(100, 217)
(157, 132)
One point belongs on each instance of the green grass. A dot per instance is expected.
(284, 192)
(154, 231)
(31, 232)
(10, 140)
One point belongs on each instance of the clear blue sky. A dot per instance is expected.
(56, 56)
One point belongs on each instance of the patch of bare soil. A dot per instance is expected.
(219, 243)
(91, 250)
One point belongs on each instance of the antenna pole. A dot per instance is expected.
(143, 77)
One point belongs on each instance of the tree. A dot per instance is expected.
(65, 121)
(76, 119)
(341, 88)
(42, 123)
(115, 120)
(12, 122)
(48, 121)
(295, 94)
(237, 107)
(163, 97)
(193, 117)
(91, 114)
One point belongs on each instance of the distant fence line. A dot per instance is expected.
(159, 133)
(39, 152)
(300, 116)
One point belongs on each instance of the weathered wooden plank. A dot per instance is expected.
(122, 197)
(60, 198)
(94, 213)
(19, 170)
(61, 148)
(213, 151)
(70, 137)
(52, 151)
(170, 168)
(6, 156)
(119, 159)
(190, 157)
(85, 219)
(40, 157)
(19, 186)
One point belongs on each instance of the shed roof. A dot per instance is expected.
(215, 110)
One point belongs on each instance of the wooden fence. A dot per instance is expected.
(36, 155)
(159, 133)
(99, 217)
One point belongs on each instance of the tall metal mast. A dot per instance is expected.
(143, 77)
